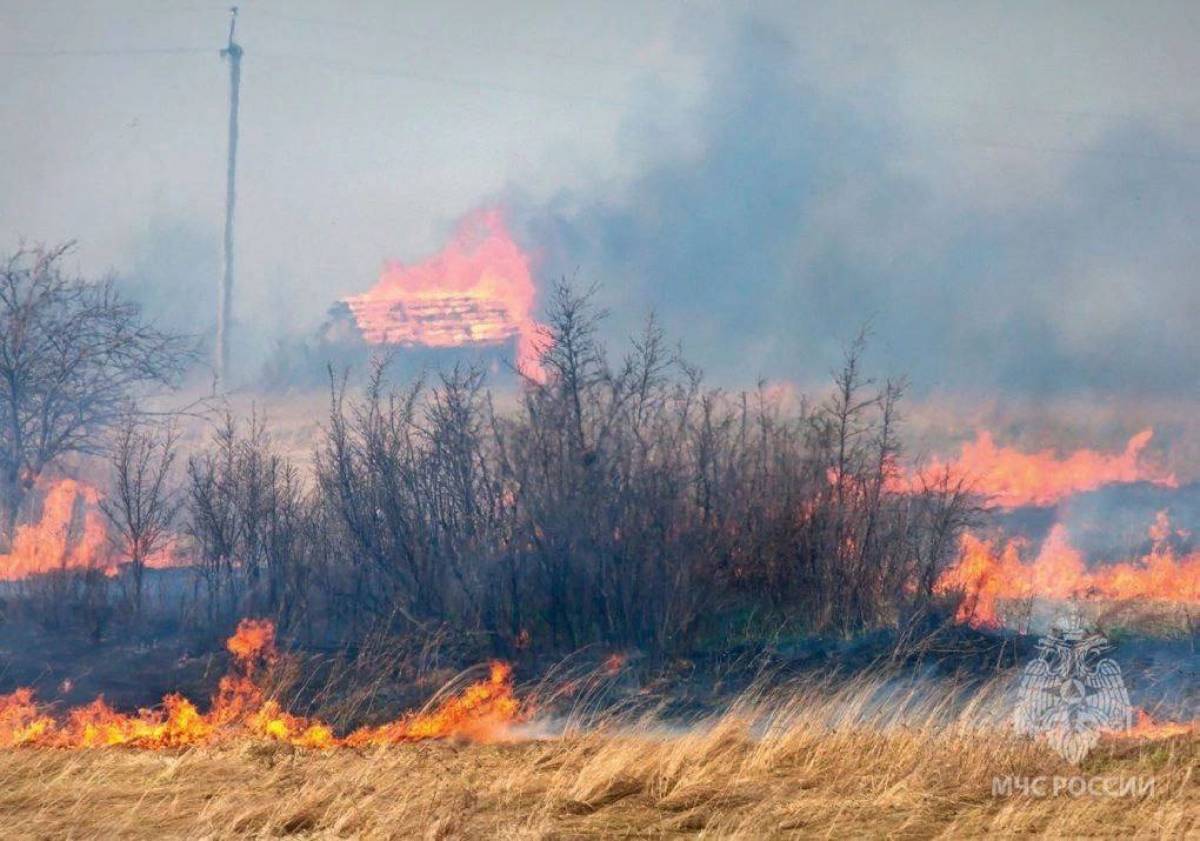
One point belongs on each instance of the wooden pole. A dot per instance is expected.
(225, 292)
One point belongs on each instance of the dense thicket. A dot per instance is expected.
(616, 501)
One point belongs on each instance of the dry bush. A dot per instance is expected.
(619, 502)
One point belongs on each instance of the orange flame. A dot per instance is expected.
(478, 291)
(613, 663)
(482, 712)
(254, 638)
(989, 573)
(70, 534)
(1145, 726)
(1012, 478)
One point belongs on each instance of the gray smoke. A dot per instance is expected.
(795, 214)
(170, 273)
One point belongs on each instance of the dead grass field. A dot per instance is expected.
(790, 774)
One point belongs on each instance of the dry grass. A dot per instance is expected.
(833, 767)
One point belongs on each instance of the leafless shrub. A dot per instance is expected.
(250, 524)
(72, 355)
(142, 502)
(624, 503)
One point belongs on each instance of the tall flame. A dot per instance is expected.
(478, 290)
(239, 710)
(70, 534)
(990, 573)
(1012, 478)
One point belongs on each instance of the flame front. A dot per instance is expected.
(1145, 726)
(990, 573)
(478, 291)
(239, 710)
(1011, 478)
(480, 713)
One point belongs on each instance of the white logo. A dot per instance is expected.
(1070, 693)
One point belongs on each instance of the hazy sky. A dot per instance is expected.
(1006, 190)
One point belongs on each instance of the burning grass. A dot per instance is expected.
(241, 712)
(822, 763)
(991, 575)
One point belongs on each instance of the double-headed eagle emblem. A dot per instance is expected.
(1071, 692)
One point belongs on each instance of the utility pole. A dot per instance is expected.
(233, 52)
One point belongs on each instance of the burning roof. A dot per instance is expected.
(477, 292)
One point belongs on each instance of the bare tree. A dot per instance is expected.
(72, 355)
(141, 505)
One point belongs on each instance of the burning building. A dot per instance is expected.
(474, 298)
